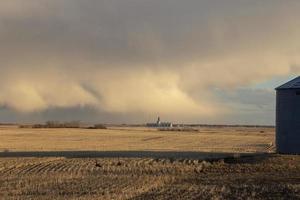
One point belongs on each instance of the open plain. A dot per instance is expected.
(228, 139)
(142, 163)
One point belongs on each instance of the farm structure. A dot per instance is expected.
(160, 124)
(288, 117)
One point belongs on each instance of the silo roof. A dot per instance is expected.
(293, 84)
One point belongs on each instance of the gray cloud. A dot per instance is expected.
(140, 58)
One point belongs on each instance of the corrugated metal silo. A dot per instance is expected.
(288, 117)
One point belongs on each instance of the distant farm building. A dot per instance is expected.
(288, 117)
(160, 124)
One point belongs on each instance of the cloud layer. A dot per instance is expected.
(163, 57)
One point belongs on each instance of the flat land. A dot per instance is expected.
(141, 163)
(229, 140)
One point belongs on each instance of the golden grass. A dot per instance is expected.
(265, 176)
(136, 139)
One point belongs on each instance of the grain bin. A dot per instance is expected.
(288, 117)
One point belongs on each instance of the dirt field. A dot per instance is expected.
(145, 164)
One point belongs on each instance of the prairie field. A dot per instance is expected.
(229, 140)
(143, 163)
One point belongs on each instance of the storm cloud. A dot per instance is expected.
(144, 57)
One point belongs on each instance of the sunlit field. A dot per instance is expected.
(143, 163)
(229, 140)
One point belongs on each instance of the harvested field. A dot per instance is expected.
(260, 177)
(239, 140)
(141, 163)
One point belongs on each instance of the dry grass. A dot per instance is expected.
(136, 139)
(267, 176)
(274, 177)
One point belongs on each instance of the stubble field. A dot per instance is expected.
(141, 163)
(241, 140)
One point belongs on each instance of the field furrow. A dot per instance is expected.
(148, 178)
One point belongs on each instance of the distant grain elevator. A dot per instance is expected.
(288, 117)
(160, 124)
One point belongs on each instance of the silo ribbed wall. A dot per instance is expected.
(288, 121)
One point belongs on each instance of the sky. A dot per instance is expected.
(129, 61)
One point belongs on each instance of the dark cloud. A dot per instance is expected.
(143, 57)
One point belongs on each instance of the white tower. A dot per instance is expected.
(158, 121)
